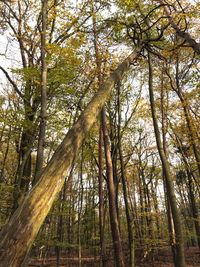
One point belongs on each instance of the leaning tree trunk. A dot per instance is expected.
(18, 235)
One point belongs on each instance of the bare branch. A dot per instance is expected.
(185, 35)
(12, 82)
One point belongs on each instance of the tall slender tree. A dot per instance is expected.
(180, 257)
(43, 113)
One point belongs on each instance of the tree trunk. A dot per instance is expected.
(167, 202)
(191, 134)
(101, 201)
(18, 235)
(129, 219)
(101, 195)
(117, 245)
(190, 185)
(194, 208)
(80, 208)
(43, 112)
(180, 257)
(60, 222)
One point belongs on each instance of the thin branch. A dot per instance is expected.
(185, 35)
(12, 82)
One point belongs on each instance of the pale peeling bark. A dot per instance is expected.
(18, 235)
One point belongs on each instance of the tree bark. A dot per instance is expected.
(18, 235)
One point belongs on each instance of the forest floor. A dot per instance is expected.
(163, 258)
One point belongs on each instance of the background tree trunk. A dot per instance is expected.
(180, 258)
(43, 112)
(117, 243)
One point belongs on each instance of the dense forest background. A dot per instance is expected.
(128, 189)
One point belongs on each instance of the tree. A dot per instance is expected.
(182, 33)
(41, 139)
(94, 209)
(26, 221)
(114, 223)
(180, 258)
(30, 35)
